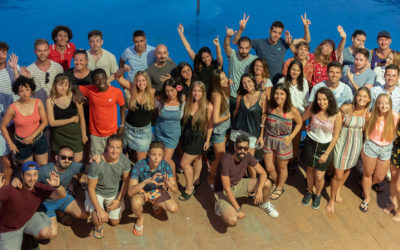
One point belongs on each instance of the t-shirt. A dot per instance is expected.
(109, 175)
(103, 118)
(348, 57)
(19, 205)
(42, 88)
(366, 77)
(155, 73)
(7, 96)
(87, 80)
(342, 93)
(141, 171)
(65, 177)
(235, 170)
(298, 98)
(107, 61)
(137, 62)
(237, 67)
(274, 54)
(65, 57)
(395, 95)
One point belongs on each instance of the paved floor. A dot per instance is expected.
(196, 226)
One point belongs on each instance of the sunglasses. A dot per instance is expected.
(239, 148)
(64, 157)
(47, 78)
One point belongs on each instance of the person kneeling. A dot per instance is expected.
(230, 184)
(151, 179)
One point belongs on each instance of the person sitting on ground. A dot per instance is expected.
(230, 184)
(151, 179)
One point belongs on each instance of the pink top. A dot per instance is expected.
(26, 125)
(376, 134)
(321, 131)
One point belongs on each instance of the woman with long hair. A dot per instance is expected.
(184, 77)
(279, 134)
(322, 134)
(259, 69)
(379, 135)
(348, 147)
(196, 134)
(66, 118)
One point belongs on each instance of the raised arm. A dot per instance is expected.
(13, 62)
(242, 26)
(227, 41)
(119, 76)
(54, 181)
(342, 43)
(220, 60)
(307, 36)
(185, 42)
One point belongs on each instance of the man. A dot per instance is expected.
(104, 200)
(66, 169)
(274, 48)
(139, 56)
(103, 101)
(230, 184)
(380, 54)
(390, 87)
(18, 209)
(359, 74)
(99, 57)
(151, 179)
(239, 62)
(43, 70)
(358, 40)
(8, 73)
(161, 69)
(340, 90)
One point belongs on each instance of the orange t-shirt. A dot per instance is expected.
(103, 117)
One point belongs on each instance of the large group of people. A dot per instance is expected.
(251, 116)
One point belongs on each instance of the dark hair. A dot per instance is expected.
(98, 72)
(277, 24)
(265, 67)
(138, 33)
(40, 41)
(157, 144)
(363, 88)
(63, 147)
(81, 51)
(287, 106)
(362, 51)
(334, 64)
(174, 84)
(95, 33)
(358, 33)
(4, 46)
(59, 28)
(217, 88)
(114, 137)
(23, 81)
(197, 62)
(318, 52)
(288, 77)
(242, 138)
(177, 72)
(243, 39)
(392, 66)
(332, 105)
(302, 43)
(241, 91)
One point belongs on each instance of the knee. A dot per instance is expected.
(320, 178)
(53, 233)
(173, 208)
(267, 184)
(45, 233)
(231, 221)
(114, 222)
(136, 203)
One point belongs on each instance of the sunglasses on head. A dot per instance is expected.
(47, 78)
(64, 157)
(80, 51)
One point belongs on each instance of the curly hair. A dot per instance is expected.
(265, 67)
(332, 105)
(23, 81)
(59, 28)
(324, 59)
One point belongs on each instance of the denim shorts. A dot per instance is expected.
(218, 138)
(138, 139)
(38, 147)
(373, 150)
(51, 206)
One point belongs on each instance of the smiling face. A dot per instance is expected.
(274, 34)
(241, 150)
(113, 149)
(100, 80)
(360, 61)
(384, 42)
(302, 53)
(322, 101)
(258, 68)
(29, 178)
(206, 58)
(80, 61)
(383, 104)
(141, 82)
(362, 99)
(389, 59)
(295, 71)
(42, 52)
(391, 77)
(280, 97)
(248, 84)
(197, 93)
(334, 74)
(61, 39)
(224, 80)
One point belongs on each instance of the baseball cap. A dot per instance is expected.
(383, 33)
(30, 165)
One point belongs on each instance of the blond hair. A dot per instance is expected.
(148, 96)
(389, 127)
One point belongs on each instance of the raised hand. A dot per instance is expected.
(350, 75)
(180, 29)
(306, 22)
(243, 22)
(25, 72)
(288, 37)
(230, 32)
(13, 61)
(341, 31)
(216, 41)
(54, 180)
(16, 182)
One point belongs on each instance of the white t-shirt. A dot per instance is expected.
(298, 98)
(107, 61)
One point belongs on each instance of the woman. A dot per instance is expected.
(379, 135)
(393, 58)
(301, 51)
(66, 118)
(324, 54)
(62, 51)
(80, 74)
(348, 147)
(322, 134)
(137, 129)
(29, 117)
(196, 135)
(203, 62)
(170, 111)
(221, 118)
(395, 181)
(184, 77)
(259, 69)
(279, 136)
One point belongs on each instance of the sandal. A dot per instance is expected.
(138, 231)
(363, 207)
(276, 193)
(185, 196)
(98, 232)
(378, 187)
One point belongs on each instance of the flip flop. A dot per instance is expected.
(98, 233)
(138, 231)
(185, 196)
(363, 207)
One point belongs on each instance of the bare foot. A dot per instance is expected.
(388, 209)
(330, 208)
(396, 218)
(338, 198)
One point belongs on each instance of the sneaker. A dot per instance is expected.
(217, 209)
(316, 202)
(306, 199)
(269, 209)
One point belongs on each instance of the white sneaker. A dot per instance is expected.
(269, 209)
(217, 210)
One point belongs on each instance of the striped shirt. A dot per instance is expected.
(7, 97)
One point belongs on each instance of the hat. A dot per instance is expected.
(30, 165)
(383, 33)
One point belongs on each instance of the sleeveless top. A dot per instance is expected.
(278, 126)
(321, 131)
(68, 112)
(221, 127)
(376, 61)
(376, 134)
(26, 125)
(139, 117)
(249, 119)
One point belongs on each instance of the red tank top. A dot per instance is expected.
(26, 125)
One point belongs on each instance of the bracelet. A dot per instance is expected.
(262, 126)
(56, 187)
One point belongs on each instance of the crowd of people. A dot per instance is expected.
(346, 99)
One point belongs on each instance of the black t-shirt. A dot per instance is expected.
(78, 81)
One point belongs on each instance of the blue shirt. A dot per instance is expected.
(141, 171)
(137, 62)
(366, 77)
(342, 93)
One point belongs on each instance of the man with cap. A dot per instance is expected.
(18, 213)
(380, 54)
